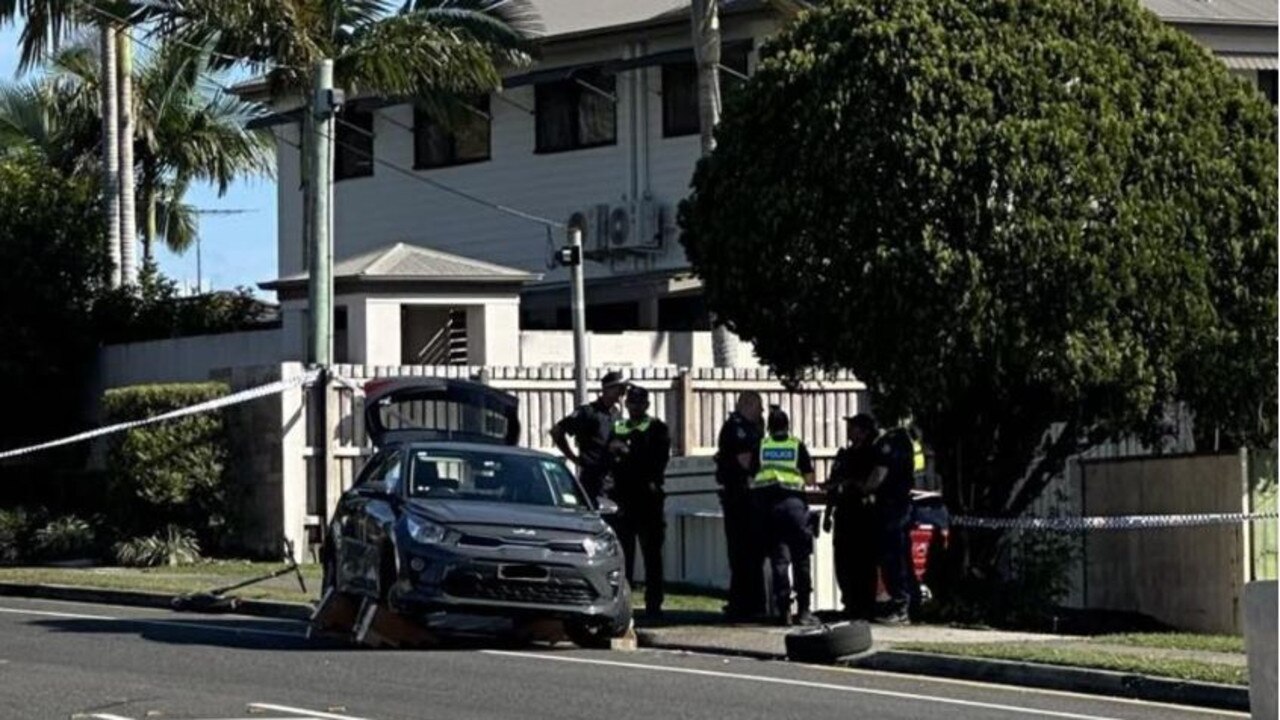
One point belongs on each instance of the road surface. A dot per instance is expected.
(71, 660)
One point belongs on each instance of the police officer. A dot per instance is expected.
(641, 447)
(892, 476)
(737, 451)
(851, 508)
(590, 427)
(777, 491)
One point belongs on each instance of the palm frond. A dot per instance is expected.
(410, 55)
(504, 25)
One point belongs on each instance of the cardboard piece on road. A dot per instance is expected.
(627, 642)
(335, 616)
(379, 626)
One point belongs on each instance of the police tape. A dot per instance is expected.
(206, 406)
(1110, 522)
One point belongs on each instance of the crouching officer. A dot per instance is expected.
(641, 446)
(783, 516)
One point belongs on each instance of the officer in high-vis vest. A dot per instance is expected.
(783, 516)
(641, 446)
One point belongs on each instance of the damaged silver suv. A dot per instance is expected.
(449, 516)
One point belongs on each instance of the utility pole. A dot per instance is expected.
(578, 308)
(319, 145)
(318, 132)
(705, 18)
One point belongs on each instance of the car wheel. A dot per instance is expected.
(828, 643)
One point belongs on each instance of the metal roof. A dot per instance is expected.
(1214, 12)
(405, 262)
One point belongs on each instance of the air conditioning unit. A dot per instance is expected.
(593, 221)
(621, 229)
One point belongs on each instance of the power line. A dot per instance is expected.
(436, 183)
(385, 163)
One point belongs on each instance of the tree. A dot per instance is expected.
(1029, 226)
(53, 263)
(48, 24)
(185, 131)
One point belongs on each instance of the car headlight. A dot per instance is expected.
(602, 545)
(425, 531)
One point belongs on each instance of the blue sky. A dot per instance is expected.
(235, 249)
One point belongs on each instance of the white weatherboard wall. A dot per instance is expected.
(188, 359)
(387, 207)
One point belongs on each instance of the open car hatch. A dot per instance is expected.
(423, 409)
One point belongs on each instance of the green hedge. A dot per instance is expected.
(172, 472)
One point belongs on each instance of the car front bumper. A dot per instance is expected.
(512, 582)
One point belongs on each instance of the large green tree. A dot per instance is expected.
(1031, 225)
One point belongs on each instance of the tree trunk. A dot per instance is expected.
(705, 18)
(128, 200)
(110, 150)
(149, 232)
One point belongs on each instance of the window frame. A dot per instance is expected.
(422, 120)
(598, 78)
(354, 116)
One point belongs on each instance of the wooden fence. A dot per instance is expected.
(694, 402)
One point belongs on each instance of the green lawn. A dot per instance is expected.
(176, 580)
(205, 575)
(1058, 654)
(1176, 641)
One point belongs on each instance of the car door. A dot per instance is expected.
(380, 504)
(348, 526)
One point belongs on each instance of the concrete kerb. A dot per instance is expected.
(1003, 672)
(134, 598)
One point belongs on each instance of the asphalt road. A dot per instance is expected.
(70, 660)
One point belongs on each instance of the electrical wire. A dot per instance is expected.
(443, 187)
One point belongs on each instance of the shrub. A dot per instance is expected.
(65, 537)
(17, 527)
(172, 472)
(173, 546)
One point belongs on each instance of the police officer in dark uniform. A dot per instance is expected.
(892, 476)
(777, 491)
(590, 427)
(851, 508)
(737, 450)
(641, 447)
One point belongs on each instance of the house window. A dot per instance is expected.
(680, 89)
(353, 144)
(572, 116)
(1267, 84)
(435, 146)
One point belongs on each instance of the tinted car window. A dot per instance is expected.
(382, 473)
(492, 477)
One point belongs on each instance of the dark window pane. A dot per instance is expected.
(680, 89)
(353, 144)
(679, 99)
(436, 146)
(571, 116)
(1267, 84)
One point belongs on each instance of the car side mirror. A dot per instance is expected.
(607, 506)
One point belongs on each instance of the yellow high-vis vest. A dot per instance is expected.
(780, 463)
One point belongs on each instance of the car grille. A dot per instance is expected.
(555, 591)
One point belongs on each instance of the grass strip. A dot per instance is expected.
(1049, 654)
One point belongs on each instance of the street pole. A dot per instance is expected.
(578, 310)
(319, 148)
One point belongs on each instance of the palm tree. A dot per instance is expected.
(186, 131)
(48, 24)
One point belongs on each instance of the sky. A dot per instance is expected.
(235, 249)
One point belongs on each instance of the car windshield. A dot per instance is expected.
(493, 477)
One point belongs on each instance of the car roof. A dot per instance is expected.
(488, 448)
